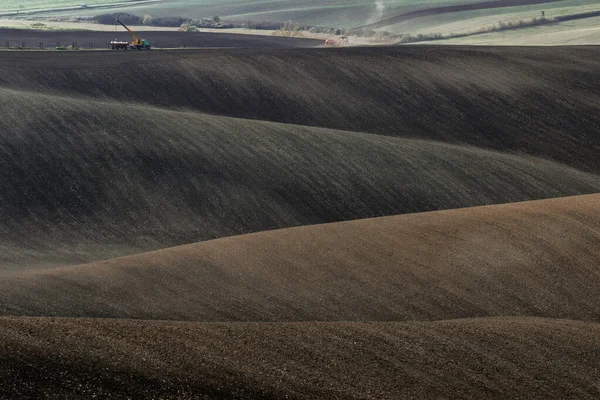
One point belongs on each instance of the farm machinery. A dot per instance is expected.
(336, 42)
(137, 44)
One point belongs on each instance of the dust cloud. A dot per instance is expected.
(378, 13)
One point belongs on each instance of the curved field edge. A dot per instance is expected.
(473, 358)
(535, 258)
(89, 180)
(540, 101)
(452, 8)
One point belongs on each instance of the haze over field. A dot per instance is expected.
(260, 216)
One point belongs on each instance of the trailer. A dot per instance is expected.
(119, 45)
(137, 44)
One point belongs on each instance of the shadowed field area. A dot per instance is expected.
(526, 259)
(87, 180)
(541, 101)
(471, 358)
(103, 166)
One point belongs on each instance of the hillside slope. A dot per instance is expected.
(468, 359)
(334, 13)
(453, 8)
(537, 258)
(541, 101)
(88, 180)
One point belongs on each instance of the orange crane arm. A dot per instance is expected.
(136, 38)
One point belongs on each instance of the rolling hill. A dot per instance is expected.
(454, 8)
(88, 180)
(335, 13)
(409, 222)
(471, 21)
(535, 258)
(585, 31)
(539, 101)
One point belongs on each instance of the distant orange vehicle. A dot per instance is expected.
(335, 42)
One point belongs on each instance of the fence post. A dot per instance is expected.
(41, 45)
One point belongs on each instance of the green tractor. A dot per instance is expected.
(137, 44)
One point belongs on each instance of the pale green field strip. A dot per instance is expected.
(335, 13)
(468, 21)
(21, 5)
(578, 32)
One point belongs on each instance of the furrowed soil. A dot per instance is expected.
(470, 358)
(180, 168)
(160, 39)
(107, 154)
(540, 101)
(535, 258)
(89, 180)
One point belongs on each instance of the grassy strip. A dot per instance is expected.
(499, 27)
(572, 17)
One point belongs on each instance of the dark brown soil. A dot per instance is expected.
(526, 259)
(469, 359)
